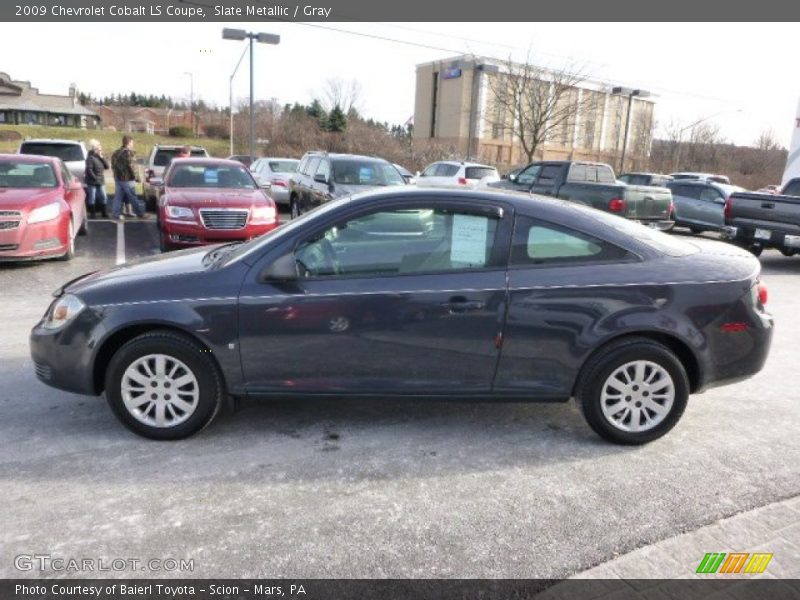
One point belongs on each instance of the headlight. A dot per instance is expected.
(179, 212)
(48, 212)
(62, 311)
(263, 214)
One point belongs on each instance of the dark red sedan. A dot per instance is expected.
(208, 201)
(42, 208)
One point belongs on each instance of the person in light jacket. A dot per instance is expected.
(95, 179)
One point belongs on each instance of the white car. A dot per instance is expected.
(704, 177)
(273, 174)
(73, 153)
(446, 173)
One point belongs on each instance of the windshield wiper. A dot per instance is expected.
(219, 251)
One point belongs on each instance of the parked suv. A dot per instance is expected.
(700, 205)
(447, 173)
(72, 153)
(321, 177)
(157, 162)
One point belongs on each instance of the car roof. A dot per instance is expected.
(52, 140)
(176, 147)
(462, 163)
(206, 160)
(30, 158)
(278, 158)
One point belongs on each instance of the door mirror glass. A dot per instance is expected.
(283, 269)
(320, 178)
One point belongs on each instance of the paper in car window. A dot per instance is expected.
(364, 175)
(210, 176)
(469, 242)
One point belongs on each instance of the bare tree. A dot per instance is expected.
(536, 104)
(344, 94)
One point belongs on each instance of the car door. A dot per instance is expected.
(307, 183)
(321, 183)
(546, 180)
(685, 198)
(395, 298)
(712, 207)
(74, 195)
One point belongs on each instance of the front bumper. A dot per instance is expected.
(187, 235)
(62, 358)
(37, 240)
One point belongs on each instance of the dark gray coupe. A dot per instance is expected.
(464, 294)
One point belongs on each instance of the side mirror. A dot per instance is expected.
(320, 178)
(157, 181)
(283, 269)
(512, 177)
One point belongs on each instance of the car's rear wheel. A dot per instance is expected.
(163, 244)
(633, 391)
(696, 230)
(164, 386)
(788, 252)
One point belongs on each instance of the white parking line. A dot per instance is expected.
(120, 243)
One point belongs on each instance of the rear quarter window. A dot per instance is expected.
(540, 243)
(480, 172)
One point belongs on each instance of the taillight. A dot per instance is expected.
(728, 209)
(763, 294)
(462, 181)
(736, 327)
(671, 210)
(616, 205)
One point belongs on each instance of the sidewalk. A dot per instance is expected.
(774, 528)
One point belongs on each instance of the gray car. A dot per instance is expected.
(274, 173)
(700, 205)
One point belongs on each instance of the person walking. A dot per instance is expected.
(125, 177)
(95, 179)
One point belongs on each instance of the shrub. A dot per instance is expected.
(10, 136)
(217, 131)
(180, 131)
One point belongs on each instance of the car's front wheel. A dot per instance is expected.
(164, 386)
(633, 391)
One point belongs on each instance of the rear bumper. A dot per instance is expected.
(763, 237)
(39, 240)
(659, 224)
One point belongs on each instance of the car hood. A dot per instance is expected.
(214, 197)
(20, 198)
(143, 271)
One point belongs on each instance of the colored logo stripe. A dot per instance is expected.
(711, 562)
(758, 563)
(734, 562)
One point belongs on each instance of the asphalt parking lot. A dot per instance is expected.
(373, 487)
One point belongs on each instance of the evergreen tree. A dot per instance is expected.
(336, 121)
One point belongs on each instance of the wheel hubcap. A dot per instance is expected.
(159, 390)
(637, 396)
(339, 324)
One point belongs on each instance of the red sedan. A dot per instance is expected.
(42, 208)
(208, 201)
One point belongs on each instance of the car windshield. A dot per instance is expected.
(165, 155)
(210, 176)
(283, 166)
(362, 172)
(15, 174)
(66, 152)
(792, 188)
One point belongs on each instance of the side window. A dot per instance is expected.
(324, 169)
(301, 168)
(792, 188)
(430, 170)
(396, 242)
(604, 174)
(311, 166)
(529, 175)
(709, 194)
(537, 243)
(577, 173)
(65, 174)
(548, 175)
(446, 170)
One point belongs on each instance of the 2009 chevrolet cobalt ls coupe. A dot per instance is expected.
(467, 294)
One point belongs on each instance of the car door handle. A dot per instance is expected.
(767, 205)
(460, 304)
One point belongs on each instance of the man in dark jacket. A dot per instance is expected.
(95, 179)
(123, 164)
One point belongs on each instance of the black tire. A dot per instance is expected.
(198, 361)
(755, 250)
(599, 368)
(162, 242)
(696, 230)
(70, 253)
(788, 252)
(294, 208)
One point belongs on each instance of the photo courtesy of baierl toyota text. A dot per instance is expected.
(352, 300)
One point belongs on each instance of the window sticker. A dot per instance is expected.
(469, 242)
(211, 176)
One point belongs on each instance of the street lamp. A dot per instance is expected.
(261, 38)
(630, 93)
(230, 91)
(191, 99)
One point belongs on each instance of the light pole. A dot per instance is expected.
(630, 93)
(692, 126)
(261, 38)
(191, 99)
(230, 90)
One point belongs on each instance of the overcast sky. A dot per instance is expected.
(741, 74)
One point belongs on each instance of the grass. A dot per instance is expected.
(110, 140)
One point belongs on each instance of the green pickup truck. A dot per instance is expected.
(594, 184)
